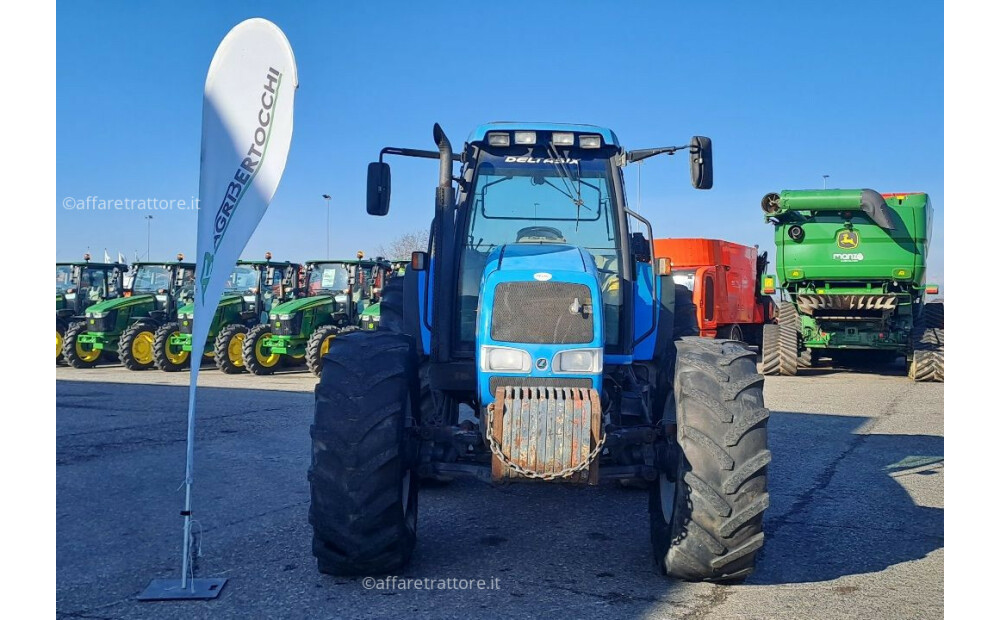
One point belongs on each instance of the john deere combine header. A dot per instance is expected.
(252, 289)
(851, 268)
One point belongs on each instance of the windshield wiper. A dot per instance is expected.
(562, 169)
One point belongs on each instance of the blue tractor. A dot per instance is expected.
(538, 339)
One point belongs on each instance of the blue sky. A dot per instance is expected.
(788, 91)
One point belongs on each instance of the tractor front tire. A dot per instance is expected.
(75, 354)
(788, 339)
(363, 481)
(256, 357)
(319, 344)
(165, 357)
(61, 325)
(228, 348)
(135, 346)
(706, 520)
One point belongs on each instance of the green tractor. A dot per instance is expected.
(851, 268)
(372, 315)
(127, 325)
(79, 286)
(252, 289)
(338, 292)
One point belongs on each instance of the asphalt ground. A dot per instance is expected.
(855, 528)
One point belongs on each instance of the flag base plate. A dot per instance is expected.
(171, 590)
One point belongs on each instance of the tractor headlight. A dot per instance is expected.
(187, 317)
(70, 295)
(579, 360)
(284, 317)
(98, 315)
(504, 359)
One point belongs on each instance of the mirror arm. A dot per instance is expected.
(392, 150)
(641, 154)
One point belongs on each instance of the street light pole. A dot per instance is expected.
(825, 177)
(149, 224)
(327, 198)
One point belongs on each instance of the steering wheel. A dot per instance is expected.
(540, 234)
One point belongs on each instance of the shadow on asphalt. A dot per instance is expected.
(856, 515)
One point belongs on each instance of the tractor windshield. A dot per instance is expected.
(64, 278)
(151, 279)
(328, 277)
(244, 279)
(542, 197)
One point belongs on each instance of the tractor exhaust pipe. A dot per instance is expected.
(444, 146)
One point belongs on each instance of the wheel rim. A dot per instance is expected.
(263, 354)
(142, 347)
(59, 343)
(325, 347)
(176, 354)
(235, 349)
(86, 354)
(735, 333)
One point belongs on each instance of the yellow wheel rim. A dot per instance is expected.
(325, 347)
(142, 347)
(59, 341)
(263, 354)
(175, 354)
(235, 350)
(86, 354)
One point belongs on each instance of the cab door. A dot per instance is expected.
(706, 300)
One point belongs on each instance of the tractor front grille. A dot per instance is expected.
(288, 327)
(185, 325)
(542, 313)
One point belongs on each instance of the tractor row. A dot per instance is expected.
(272, 313)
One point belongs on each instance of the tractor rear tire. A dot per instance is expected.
(685, 313)
(391, 307)
(73, 353)
(135, 346)
(319, 343)
(228, 348)
(769, 350)
(165, 359)
(706, 521)
(363, 482)
(788, 339)
(61, 326)
(255, 359)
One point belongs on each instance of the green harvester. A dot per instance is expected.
(851, 268)
(80, 285)
(338, 292)
(126, 326)
(252, 289)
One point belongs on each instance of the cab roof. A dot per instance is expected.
(479, 133)
(93, 264)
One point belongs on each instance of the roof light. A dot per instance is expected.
(86, 256)
(590, 142)
(932, 289)
(524, 137)
(267, 256)
(180, 256)
(562, 139)
(498, 139)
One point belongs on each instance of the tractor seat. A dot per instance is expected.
(540, 234)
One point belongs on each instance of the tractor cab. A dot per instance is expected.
(171, 285)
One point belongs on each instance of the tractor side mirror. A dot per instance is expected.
(701, 162)
(379, 188)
